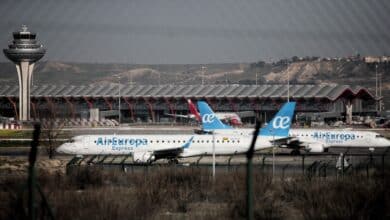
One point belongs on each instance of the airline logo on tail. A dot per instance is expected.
(280, 125)
(281, 122)
(193, 110)
(209, 120)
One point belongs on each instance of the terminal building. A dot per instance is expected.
(152, 103)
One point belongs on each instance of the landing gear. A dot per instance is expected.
(173, 161)
(295, 152)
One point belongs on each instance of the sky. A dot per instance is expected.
(199, 31)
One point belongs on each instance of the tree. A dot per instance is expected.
(52, 129)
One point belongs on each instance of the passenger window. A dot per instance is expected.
(157, 141)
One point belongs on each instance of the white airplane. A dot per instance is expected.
(148, 148)
(320, 140)
(230, 117)
(311, 140)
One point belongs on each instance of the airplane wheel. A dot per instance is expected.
(173, 161)
(295, 152)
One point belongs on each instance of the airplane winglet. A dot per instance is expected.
(188, 143)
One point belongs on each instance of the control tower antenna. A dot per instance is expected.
(24, 52)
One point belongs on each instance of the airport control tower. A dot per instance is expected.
(24, 52)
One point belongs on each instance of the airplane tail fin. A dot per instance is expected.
(193, 110)
(209, 120)
(280, 124)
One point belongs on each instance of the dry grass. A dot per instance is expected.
(173, 193)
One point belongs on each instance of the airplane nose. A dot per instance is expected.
(63, 149)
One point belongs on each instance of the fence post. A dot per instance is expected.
(303, 164)
(249, 174)
(383, 163)
(342, 165)
(31, 172)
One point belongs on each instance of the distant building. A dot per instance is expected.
(374, 59)
(151, 103)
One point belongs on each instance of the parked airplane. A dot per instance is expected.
(148, 148)
(312, 140)
(229, 117)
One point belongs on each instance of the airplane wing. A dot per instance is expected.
(286, 141)
(162, 152)
(155, 154)
(190, 116)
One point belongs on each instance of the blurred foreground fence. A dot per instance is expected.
(309, 165)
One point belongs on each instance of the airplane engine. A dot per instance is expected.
(315, 148)
(143, 157)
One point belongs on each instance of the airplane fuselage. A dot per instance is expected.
(328, 137)
(191, 145)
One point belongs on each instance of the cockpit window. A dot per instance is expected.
(379, 136)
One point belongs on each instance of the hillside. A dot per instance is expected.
(317, 71)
